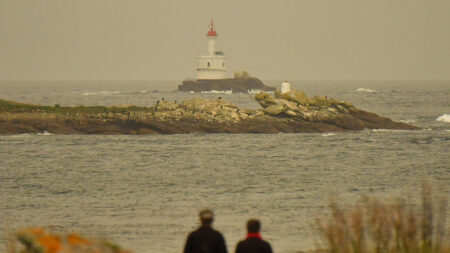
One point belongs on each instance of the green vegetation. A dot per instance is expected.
(370, 226)
(14, 107)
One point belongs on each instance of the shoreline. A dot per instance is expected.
(292, 112)
(20, 123)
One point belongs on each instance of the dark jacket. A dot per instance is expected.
(253, 245)
(205, 240)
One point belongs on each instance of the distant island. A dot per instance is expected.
(241, 83)
(290, 112)
(212, 73)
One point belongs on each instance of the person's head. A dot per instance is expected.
(253, 226)
(206, 217)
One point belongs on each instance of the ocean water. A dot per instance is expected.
(144, 192)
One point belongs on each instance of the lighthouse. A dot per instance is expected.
(211, 66)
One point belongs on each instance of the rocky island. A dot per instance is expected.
(241, 83)
(290, 112)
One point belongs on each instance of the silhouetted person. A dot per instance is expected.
(205, 239)
(253, 243)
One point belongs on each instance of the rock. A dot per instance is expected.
(319, 101)
(209, 105)
(274, 106)
(198, 115)
(276, 109)
(243, 84)
(241, 74)
(256, 113)
(324, 115)
(296, 96)
(290, 105)
(341, 103)
(319, 109)
(291, 113)
(265, 100)
(166, 106)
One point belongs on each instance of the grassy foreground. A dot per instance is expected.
(370, 226)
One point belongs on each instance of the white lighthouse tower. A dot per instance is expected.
(211, 66)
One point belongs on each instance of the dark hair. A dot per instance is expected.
(253, 226)
(206, 217)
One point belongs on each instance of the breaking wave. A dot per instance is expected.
(96, 93)
(229, 92)
(382, 130)
(254, 91)
(20, 135)
(45, 133)
(365, 90)
(444, 118)
(408, 121)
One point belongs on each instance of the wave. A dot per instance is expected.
(444, 118)
(229, 92)
(254, 91)
(381, 130)
(328, 134)
(45, 133)
(408, 121)
(95, 93)
(365, 90)
(18, 135)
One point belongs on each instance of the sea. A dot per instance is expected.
(144, 192)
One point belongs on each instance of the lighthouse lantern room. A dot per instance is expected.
(211, 66)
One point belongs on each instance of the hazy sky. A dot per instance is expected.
(285, 39)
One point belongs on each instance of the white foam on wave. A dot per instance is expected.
(408, 121)
(328, 134)
(228, 92)
(365, 90)
(45, 133)
(19, 135)
(444, 118)
(254, 91)
(95, 93)
(381, 130)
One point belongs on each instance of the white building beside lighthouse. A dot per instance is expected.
(211, 66)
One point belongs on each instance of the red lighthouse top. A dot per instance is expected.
(211, 31)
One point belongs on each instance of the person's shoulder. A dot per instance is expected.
(217, 232)
(193, 233)
(266, 244)
(242, 242)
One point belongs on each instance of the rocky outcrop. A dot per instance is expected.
(241, 84)
(319, 109)
(291, 112)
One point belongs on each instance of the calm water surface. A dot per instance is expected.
(145, 191)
